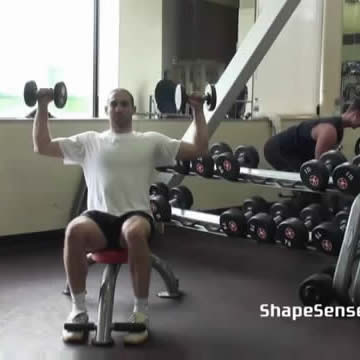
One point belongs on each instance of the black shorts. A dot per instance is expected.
(279, 159)
(111, 225)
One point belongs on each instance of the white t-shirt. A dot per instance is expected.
(119, 168)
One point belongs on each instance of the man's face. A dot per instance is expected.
(120, 108)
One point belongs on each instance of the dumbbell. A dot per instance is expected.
(346, 177)
(294, 232)
(205, 166)
(315, 173)
(159, 189)
(318, 289)
(328, 236)
(234, 221)
(262, 226)
(178, 197)
(181, 98)
(357, 147)
(59, 94)
(228, 165)
(181, 167)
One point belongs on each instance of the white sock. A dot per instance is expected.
(141, 305)
(78, 303)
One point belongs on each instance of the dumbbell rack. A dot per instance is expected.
(347, 273)
(271, 178)
(196, 220)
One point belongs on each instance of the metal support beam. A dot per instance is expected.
(344, 267)
(96, 59)
(247, 58)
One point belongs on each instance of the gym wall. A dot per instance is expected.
(351, 52)
(171, 33)
(351, 17)
(288, 79)
(303, 67)
(351, 26)
(246, 21)
(37, 192)
(140, 64)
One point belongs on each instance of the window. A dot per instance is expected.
(46, 41)
(109, 50)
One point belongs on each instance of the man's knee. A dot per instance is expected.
(136, 230)
(77, 232)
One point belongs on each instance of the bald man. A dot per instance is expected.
(118, 166)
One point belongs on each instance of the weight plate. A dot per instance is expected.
(30, 93)
(357, 147)
(180, 97)
(165, 96)
(60, 95)
(211, 97)
(219, 148)
(247, 156)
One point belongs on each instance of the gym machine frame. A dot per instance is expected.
(346, 281)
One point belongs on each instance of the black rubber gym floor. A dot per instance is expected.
(225, 280)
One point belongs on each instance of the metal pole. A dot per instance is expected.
(96, 59)
(81, 196)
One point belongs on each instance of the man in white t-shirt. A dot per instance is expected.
(118, 165)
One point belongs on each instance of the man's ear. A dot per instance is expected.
(134, 109)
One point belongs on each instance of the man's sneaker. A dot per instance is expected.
(137, 337)
(76, 336)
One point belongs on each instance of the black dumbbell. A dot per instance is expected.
(179, 197)
(317, 289)
(180, 167)
(262, 226)
(181, 98)
(346, 177)
(205, 166)
(328, 236)
(159, 188)
(357, 147)
(229, 165)
(59, 94)
(294, 232)
(315, 173)
(234, 221)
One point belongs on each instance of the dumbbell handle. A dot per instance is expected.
(342, 225)
(45, 92)
(248, 214)
(309, 224)
(80, 327)
(278, 219)
(202, 98)
(177, 203)
(329, 166)
(206, 97)
(241, 158)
